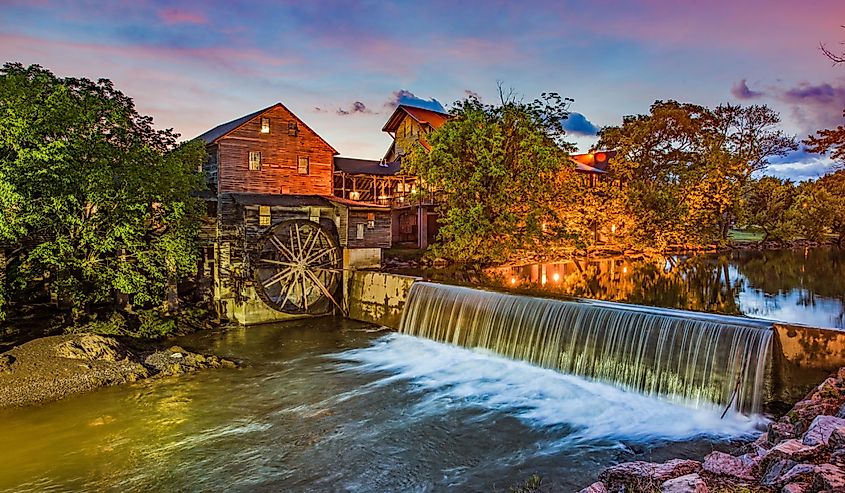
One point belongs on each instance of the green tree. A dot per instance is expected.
(834, 185)
(97, 201)
(499, 171)
(769, 204)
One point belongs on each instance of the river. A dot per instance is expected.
(334, 405)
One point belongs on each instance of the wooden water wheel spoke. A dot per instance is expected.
(276, 262)
(297, 267)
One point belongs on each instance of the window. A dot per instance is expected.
(303, 165)
(254, 160)
(265, 125)
(263, 215)
(292, 129)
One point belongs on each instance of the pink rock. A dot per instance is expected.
(798, 473)
(829, 478)
(795, 450)
(822, 428)
(779, 431)
(797, 488)
(722, 464)
(640, 475)
(689, 483)
(596, 487)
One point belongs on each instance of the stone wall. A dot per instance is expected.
(802, 357)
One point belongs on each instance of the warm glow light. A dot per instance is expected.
(543, 279)
(354, 195)
(513, 280)
(601, 157)
(556, 277)
(625, 269)
(613, 228)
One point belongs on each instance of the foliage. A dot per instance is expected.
(769, 205)
(834, 185)
(499, 171)
(99, 199)
(684, 167)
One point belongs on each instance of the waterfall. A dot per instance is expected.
(686, 357)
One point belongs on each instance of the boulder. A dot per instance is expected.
(795, 450)
(597, 487)
(91, 347)
(775, 471)
(743, 468)
(821, 429)
(800, 487)
(829, 478)
(646, 476)
(689, 483)
(779, 431)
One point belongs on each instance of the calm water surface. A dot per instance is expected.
(330, 405)
(804, 286)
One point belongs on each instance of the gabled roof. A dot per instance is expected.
(224, 129)
(421, 115)
(355, 166)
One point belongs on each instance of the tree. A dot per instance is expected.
(499, 170)
(769, 204)
(834, 185)
(98, 200)
(685, 167)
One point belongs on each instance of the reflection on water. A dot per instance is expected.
(327, 405)
(797, 286)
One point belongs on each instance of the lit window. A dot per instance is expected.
(254, 160)
(303, 165)
(263, 215)
(265, 125)
(292, 129)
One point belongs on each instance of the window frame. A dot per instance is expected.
(299, 161)
(257, 162)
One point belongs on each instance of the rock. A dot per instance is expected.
(721, 464)
(92, 347)
(775, 471)
(440, 262)
(829, 478)
(794, 450)
(779, 431)
(6, 362)
(176, 355)
(597, 487)
(821, 429)
(690, 483)
(646, 476)
(800, 487)
(798, 473)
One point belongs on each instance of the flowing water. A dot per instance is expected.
(698, 361)
(329, 405)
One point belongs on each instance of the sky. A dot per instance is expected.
(342, 66)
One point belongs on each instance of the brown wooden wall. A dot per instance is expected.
(280, 152)
(377, 237)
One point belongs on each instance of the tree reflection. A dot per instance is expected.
(702, 282)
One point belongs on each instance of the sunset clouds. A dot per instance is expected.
(340, 65)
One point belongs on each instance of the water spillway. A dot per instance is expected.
(695, 359)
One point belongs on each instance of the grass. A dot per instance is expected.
(745, 235)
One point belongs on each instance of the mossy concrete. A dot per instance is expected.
(378, 297)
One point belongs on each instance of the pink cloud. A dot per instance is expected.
(179, 16)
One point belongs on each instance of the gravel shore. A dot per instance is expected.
(50, 368)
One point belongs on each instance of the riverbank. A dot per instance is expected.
(50, 368)
(802, 452)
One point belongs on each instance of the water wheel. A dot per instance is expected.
(297, 268)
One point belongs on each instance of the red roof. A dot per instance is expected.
(421, 115)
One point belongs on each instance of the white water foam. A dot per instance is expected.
(452, 376)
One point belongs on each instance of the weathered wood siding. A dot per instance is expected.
(280, 153)
(377, 237)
